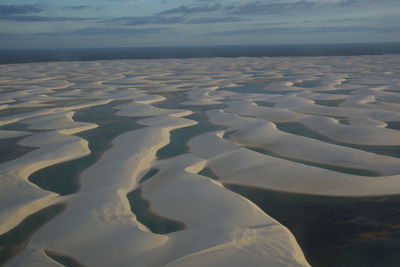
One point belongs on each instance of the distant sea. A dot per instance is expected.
(85, 54)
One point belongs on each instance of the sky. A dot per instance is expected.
(31, 24)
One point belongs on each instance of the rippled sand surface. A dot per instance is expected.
(190, 162)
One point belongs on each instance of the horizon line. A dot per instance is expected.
(216, 45)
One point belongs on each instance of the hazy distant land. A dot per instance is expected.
(8, 56)
(259, 161)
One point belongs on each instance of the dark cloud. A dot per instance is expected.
(252, 31)
(251, 8)
(362, 3)
(256, 8)
(10, 35)
(185, 10)
(213, 20)
(7, 10)
(76, 7)
(42, 19)
(116, 31)
(370, 19)
(90, 32)
(157, 20)
(132, 21)
(293, 30)
(188, 14)
(265, 8)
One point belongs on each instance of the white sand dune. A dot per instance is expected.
(19, 197)
(352, 102)
(4, 134)
(61, 122)
(135, 109)
(263, 134)
(237, 222)
(256, 169)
